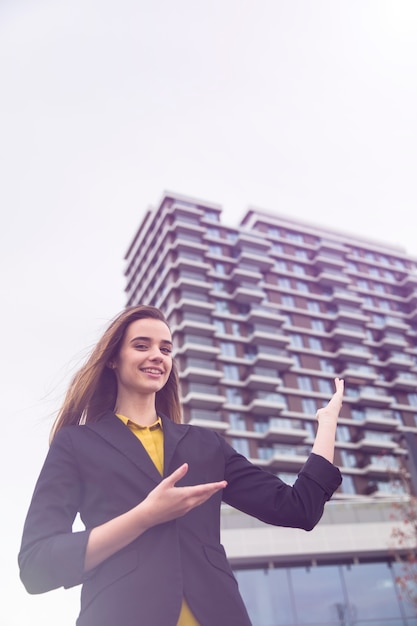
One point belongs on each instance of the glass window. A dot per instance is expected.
(219, 325)
(326, 366)
(267, 596)
(298, 269)
(297, 237)
(281, 265)
(348, 458)
(215, 249)
(237, 421)
(342, 433)
(219, 285)
(317, 325)
(233, 396)
(296, 341)
(213, 232)
(241, 446)
(211, 216)
(379, 288)
(325, 386)
(319, 595)
(222, 306)
(301, 286)
(371, 591)
(231, 372)
(412, 399)
(308, 406)
(227, 348)
(313, 306)
(314, 343)
(287, 300)
(304, 382)
(285, 283)
(348, 485)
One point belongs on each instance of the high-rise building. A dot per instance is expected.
(264, 315)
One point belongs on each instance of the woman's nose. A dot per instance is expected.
(155, 354)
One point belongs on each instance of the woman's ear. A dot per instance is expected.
(111, 365)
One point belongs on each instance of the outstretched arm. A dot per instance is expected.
(164, 503)
(327, 422)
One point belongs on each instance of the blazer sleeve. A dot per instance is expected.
(51, 554)
(266, 497)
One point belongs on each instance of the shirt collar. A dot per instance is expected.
(128, 422)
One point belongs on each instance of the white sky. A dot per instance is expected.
(300, 106)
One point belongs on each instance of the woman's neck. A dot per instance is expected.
(140, 410)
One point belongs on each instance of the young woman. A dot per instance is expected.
(148, 489)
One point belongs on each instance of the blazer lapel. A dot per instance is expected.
(110, 428)
(173, 434)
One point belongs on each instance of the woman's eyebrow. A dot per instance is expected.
(164, 341)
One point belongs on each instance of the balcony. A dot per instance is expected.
(383, 421)
(358, 374)
(201, 373)
(373, 396)
(378, 446)
(277, 434)
(248, 295)
(276, 339)
(350, 314)
(268, 403)
(240, 274)
(346, 297)
(194, 349)
(265, 382)
(341, 332)
(262, 313)
(353, 353)
(279, 360)
(399, 362)
(405, 380)
(260, 260)
(389, 342)
(333, 279)
(203, 400)
(329, 261)
(378, 469)
(190, 326)
(284, 460)
(410, 281)
(189, 304)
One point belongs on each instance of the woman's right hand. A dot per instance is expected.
(167, 501)
(164, 503)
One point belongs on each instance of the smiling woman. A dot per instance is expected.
(148, 490)
(142, 368)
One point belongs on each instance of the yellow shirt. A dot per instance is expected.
(152, 439)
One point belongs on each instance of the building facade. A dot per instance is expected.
(264, 315)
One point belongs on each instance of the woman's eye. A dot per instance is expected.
(166, 350)
(141, 346)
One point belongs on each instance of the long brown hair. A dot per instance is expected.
(92, 391)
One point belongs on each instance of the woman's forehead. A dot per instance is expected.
(148, 327)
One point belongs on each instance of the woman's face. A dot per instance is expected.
(144, 362)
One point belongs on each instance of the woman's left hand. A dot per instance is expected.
(330, 412)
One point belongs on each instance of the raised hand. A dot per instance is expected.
(330, 412)
(167, 501)
(327, 419)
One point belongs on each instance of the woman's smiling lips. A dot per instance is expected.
(152, 371)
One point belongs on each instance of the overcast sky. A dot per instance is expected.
(305, 107)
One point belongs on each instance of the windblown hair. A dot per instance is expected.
(93, 390)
